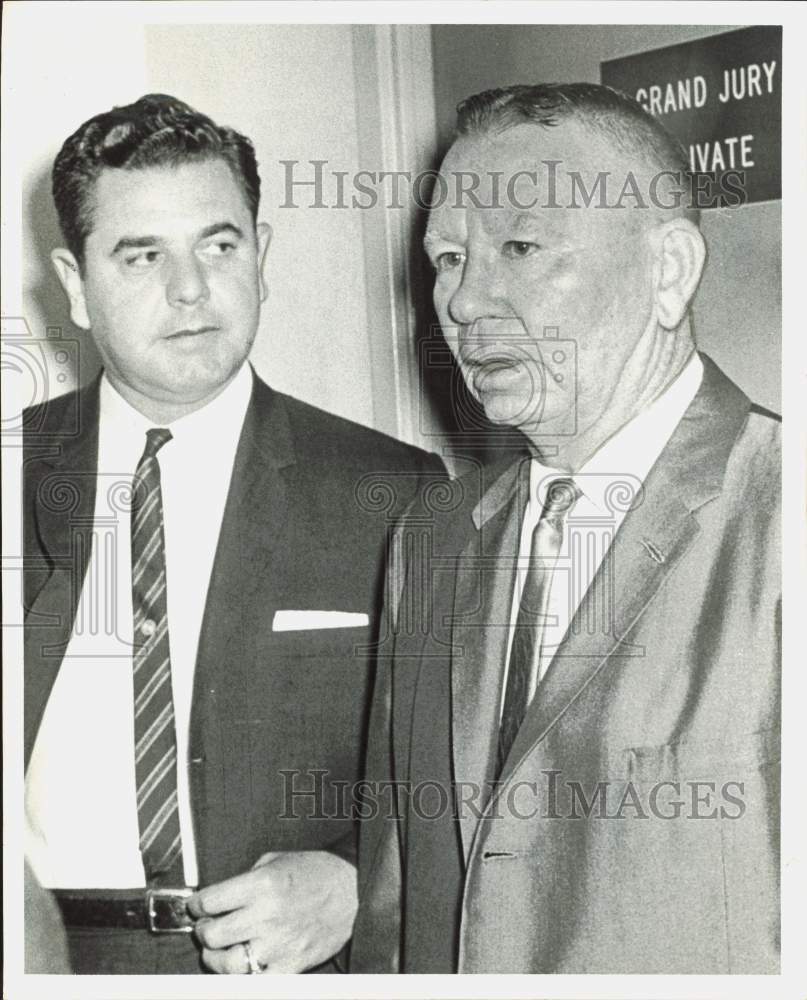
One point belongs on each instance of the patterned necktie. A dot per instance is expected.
(525, 652)
(154, 727)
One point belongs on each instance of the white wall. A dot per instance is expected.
(57, 73)
(290, 88)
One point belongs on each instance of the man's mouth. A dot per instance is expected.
(475, 359)
(488, 373)
(191, 332)
(493, 365)
(505, 371)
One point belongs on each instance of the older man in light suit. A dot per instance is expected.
(583, 717)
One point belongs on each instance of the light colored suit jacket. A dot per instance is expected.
(635, 826)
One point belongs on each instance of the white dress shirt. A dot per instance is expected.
(81, 813)
(608, 483)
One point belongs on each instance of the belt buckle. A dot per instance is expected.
(164, 904)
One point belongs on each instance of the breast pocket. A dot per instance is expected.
(712, 841)
(308, 702)
(319, 643)
(318, 680)
(724, 759)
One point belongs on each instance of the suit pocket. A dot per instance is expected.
(344, 643)
(726, 759)
(724, 840)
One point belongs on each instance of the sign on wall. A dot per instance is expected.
(721, 96)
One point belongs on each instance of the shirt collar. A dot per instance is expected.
(122, 428)
(219, 420)
(626, 457)
(630, 454)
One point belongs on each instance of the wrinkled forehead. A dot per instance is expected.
(494, 180)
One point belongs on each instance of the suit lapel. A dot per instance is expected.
(482, 605)
(64, 487)
(238, 612)
(652, 539)
(647, 547)
(60, 478)
(257, 500)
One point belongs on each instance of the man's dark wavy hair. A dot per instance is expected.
(155, 131)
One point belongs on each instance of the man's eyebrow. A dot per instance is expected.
(134, 243)
(221, 227)
(141, 242)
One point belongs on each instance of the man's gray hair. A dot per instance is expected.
(618, 118)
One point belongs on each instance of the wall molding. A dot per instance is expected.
(397, 129)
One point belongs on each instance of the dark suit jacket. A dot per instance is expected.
(311, 501)
(674, 689)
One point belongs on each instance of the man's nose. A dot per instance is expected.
(477, 294)
(187, 282)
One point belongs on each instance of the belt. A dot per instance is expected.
(161, 911)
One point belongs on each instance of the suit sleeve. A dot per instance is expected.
(377, 931)
(375, 848)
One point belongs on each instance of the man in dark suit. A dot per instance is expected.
(582, 710)
(203, 557)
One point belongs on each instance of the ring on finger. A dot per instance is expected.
(254, 967)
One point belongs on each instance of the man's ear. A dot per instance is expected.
(69, 274)
(681, 256)
(264, 234)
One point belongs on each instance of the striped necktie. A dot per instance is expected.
(154, 726)
(525, 652)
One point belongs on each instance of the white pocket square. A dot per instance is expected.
(292, 621)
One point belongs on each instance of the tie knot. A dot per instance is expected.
(561, 496)
(155, 439)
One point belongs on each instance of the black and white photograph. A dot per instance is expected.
(401, 570)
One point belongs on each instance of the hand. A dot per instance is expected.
(295, 908)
